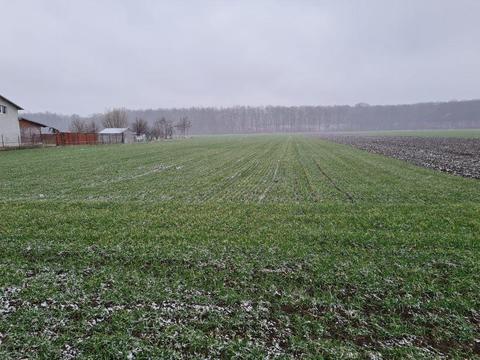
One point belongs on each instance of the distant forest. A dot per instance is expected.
(246, 119)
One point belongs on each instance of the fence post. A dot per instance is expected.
(3, 142)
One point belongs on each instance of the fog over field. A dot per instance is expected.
(245, 119)
(89, 56)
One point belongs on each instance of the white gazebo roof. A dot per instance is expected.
(113, 131)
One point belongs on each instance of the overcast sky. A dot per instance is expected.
(85, 56)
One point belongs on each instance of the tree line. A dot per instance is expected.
(247, 119)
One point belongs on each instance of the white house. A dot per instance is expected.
(9, 127)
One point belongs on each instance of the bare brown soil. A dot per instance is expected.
(452, 155)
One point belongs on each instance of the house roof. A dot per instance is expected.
(113, 131)
(54, 129)
(32, 122)
(10, 102)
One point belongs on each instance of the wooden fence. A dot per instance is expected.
(65, 139)
(76, 138)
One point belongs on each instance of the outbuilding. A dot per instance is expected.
(31, 132)
(116, 136)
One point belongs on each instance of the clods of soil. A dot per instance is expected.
(452, 155)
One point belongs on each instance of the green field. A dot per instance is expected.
(246, 247)
(456, 133)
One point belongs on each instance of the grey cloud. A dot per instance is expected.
(85, 56)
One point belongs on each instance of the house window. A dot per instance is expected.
(3, 109)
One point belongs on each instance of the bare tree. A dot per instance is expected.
(169, 130)
(77, 125)
(115, 118)
(183, 125)
(162, 129)
(158, 129)
(91, 127)
(139, 126)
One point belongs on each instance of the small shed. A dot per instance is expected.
(116, 136)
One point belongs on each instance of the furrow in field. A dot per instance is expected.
(187, 184)
(313, 186)
(244, 186)
(333, 183)
(273, 179)
(329, 175)
(250, 186)
(227, 174)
